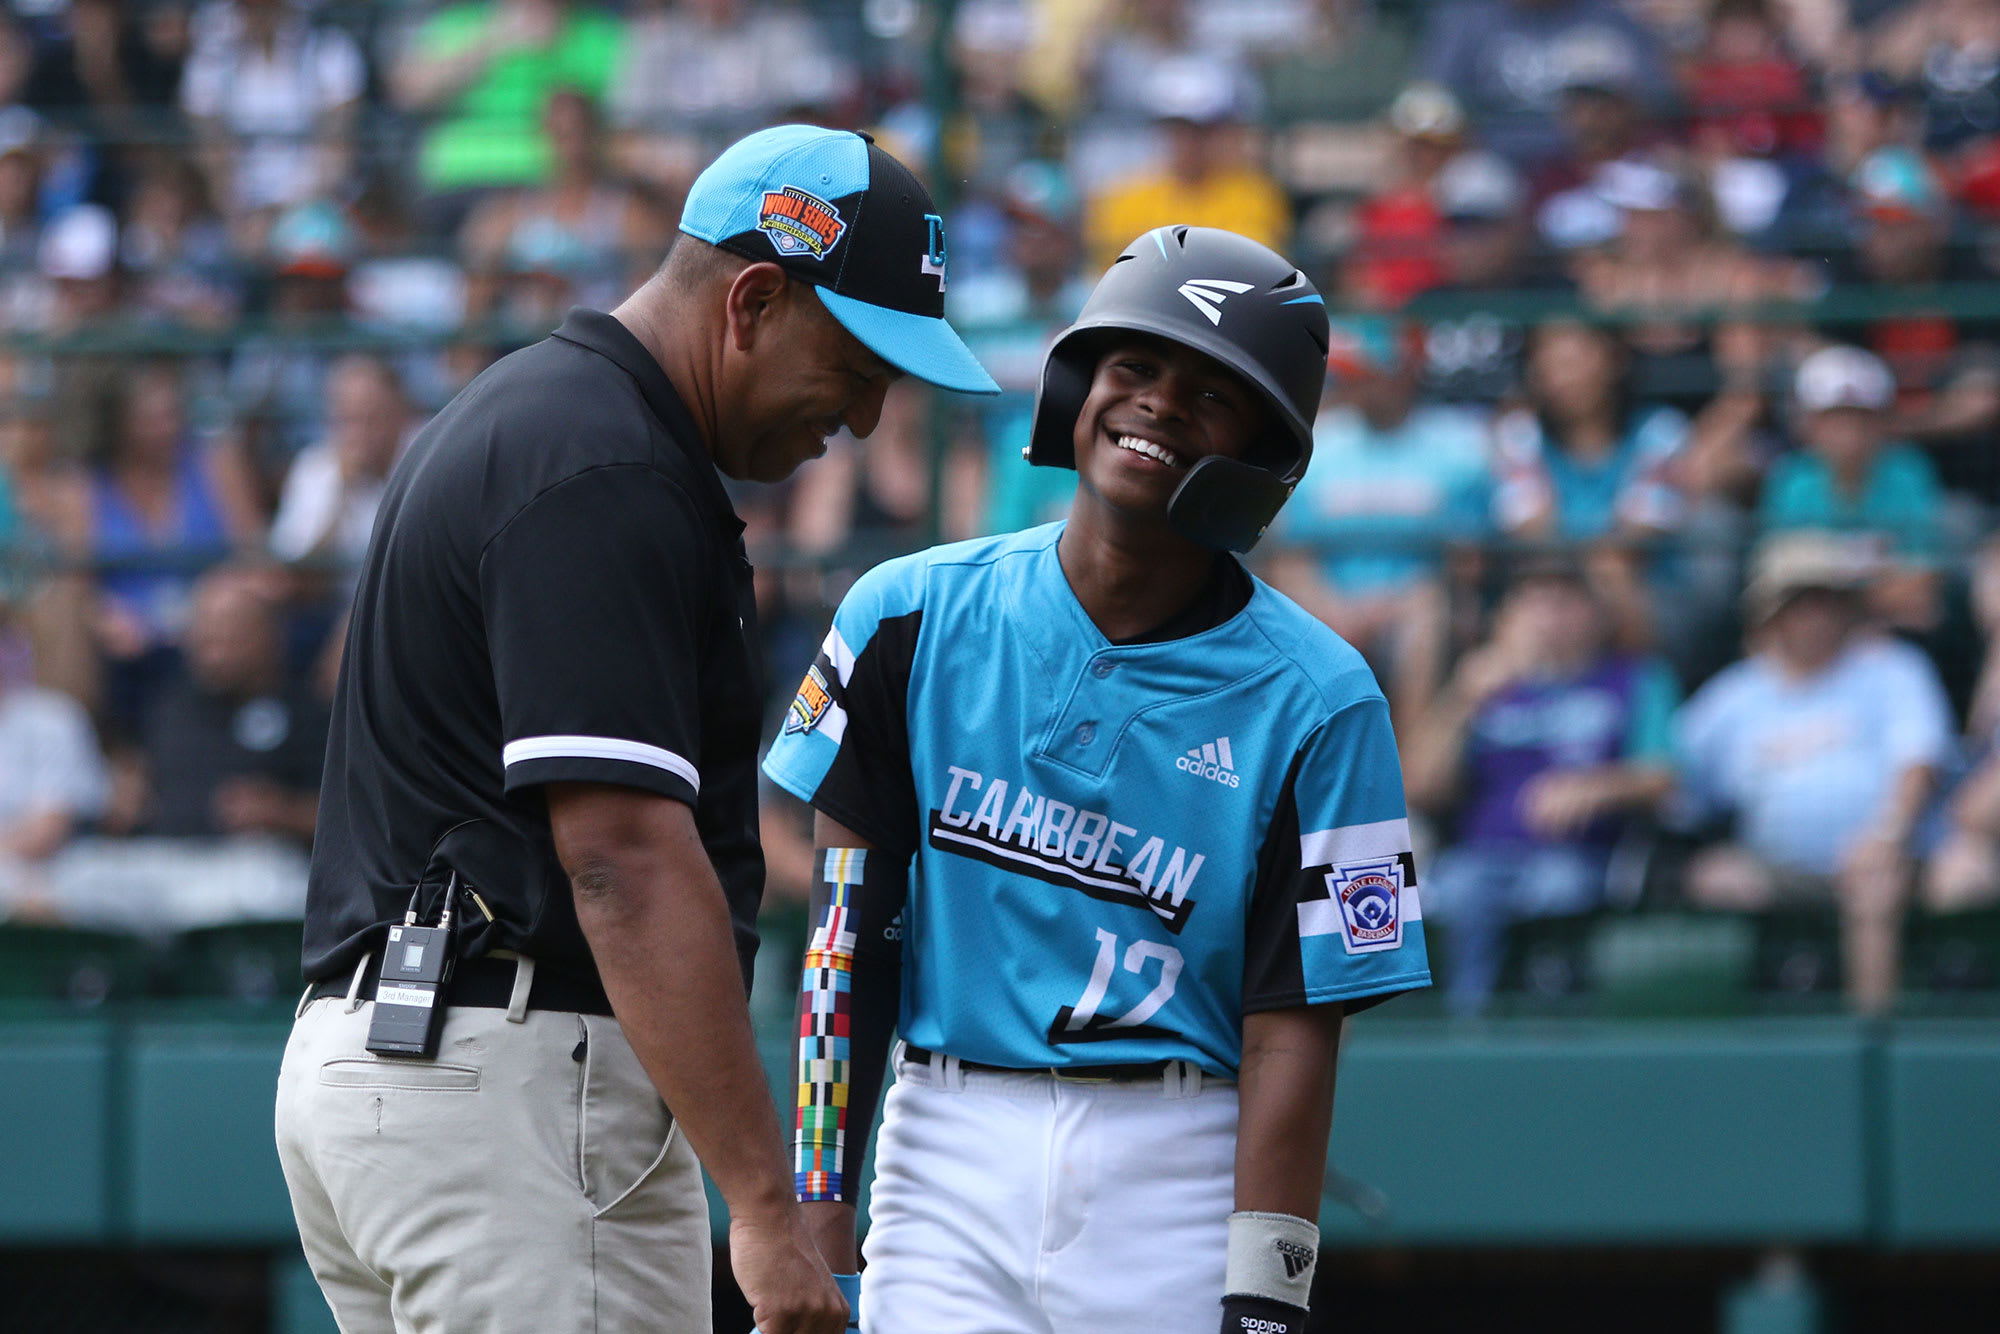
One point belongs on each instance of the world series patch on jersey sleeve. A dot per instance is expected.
(1118, 850)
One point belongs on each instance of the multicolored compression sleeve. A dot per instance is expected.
(847, 1014)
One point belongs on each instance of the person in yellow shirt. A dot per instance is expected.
(1208, 177)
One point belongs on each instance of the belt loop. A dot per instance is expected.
(354, 985)
(524, 982)
(305, 999)
(1190, 1078)
(954, 1072)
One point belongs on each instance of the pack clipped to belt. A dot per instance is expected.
(410, 996)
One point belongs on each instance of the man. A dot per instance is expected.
(1946, 364)
(1825, 746)
(226, 791)
(1853, 476)
(545, 732)
(327, 509)
(1546, 742)
(52, 775)
(1130, 826)
(1208, 174)
(1510, 60)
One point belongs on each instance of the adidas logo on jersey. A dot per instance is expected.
(1211, 761)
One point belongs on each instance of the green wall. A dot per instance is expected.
(158, 1131)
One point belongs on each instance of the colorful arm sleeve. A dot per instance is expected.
(847, 1012)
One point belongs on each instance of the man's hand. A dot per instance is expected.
(1485, 672)
(1561, 804)
(783, 1278)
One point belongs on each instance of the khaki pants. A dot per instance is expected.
(528, 1179)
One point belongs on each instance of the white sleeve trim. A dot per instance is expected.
(839, 654)
(599, 748)
(1331, 847)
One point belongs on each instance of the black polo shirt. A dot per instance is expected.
(556, 590)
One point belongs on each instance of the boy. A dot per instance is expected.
(1113, 834)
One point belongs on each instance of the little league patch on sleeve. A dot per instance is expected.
(800, 223)
(1370, 898)
(810, 704)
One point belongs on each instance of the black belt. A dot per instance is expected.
(1130, 1073)
(489, 983)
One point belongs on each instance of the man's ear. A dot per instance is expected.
(755, 295)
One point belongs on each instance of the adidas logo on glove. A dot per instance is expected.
(1212, 761)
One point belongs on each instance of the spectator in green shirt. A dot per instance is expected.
(487, 69)
(1851, 478)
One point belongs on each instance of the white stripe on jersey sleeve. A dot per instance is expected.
(1354, 842)
(839, 654)
(599, 748)
(833, 723)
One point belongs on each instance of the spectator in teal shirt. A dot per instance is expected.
(1851, 478)
(1584, 462)
(1392, 481)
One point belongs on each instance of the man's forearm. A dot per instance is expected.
(1908, 798)
(661, 936)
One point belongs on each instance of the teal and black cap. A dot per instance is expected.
(835, 211)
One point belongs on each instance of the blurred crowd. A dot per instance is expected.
(1655, 474)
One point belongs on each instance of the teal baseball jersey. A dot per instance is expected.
(1116, 851)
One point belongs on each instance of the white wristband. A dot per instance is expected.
(1271, 1256)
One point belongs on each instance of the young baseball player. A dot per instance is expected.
(1113, 835)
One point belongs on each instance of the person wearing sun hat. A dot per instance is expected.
(547, 723)
(1821, 749)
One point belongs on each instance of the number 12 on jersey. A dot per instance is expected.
(1082, 1022)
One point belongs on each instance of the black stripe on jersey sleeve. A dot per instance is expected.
(1273, 969)
(870, 786)
(1273, 974)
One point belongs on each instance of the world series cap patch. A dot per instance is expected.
(800, 223)
(1370, 899)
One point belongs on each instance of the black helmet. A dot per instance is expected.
(1235, 300)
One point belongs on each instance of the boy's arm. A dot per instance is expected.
(848, 1004)
(1285, 1091)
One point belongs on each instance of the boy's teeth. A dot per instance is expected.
(1149, 449)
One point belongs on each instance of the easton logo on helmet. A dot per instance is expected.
(1208, 294)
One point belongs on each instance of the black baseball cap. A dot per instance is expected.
(838, 213)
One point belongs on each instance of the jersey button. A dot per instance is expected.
(1086, 733)
(1100, 669)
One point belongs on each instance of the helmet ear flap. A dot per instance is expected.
(1226, 504)
(1065, 385)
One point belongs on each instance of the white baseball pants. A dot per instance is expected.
(1024, 1204)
